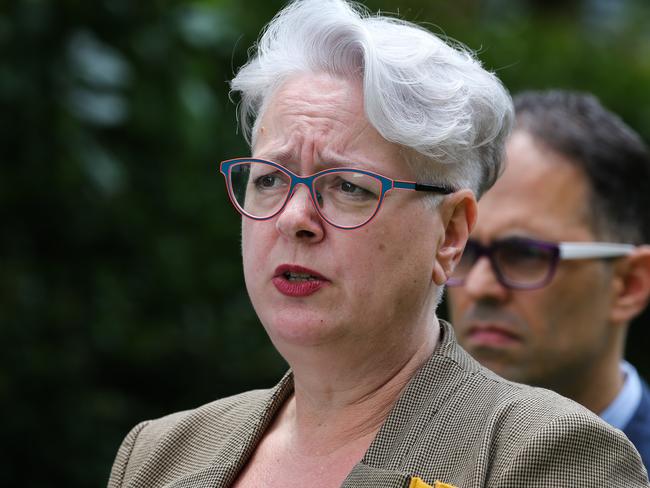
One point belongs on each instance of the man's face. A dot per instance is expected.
(555, 335)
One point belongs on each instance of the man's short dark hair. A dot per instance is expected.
(613, 157)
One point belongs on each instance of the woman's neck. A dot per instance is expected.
(341, 398)
(346, 395)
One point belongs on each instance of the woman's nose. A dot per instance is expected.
(299, 218)
(482, 283)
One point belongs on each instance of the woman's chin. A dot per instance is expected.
(293, 329)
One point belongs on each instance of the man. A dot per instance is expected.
(556, 270)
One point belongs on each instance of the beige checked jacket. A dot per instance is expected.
(455, 422)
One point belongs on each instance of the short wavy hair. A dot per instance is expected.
(613, 158)
(419, 92)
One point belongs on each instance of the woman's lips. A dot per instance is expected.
(297, 281)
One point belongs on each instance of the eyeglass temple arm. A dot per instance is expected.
(586, 250)
(406, 185)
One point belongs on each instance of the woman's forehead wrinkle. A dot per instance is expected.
(319, 127)
(362, 129)
(316, 121)
(324, 116)
(337, 100)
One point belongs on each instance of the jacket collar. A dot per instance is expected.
(431, 385)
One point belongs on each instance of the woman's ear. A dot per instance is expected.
(632, 293)
(458, 213)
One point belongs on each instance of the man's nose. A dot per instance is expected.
(481, 282)
(299, 218)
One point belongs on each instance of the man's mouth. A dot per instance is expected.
(492, 335)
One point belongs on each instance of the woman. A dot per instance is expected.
(370, 139)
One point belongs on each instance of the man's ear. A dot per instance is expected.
(632, 292)
(458, 213)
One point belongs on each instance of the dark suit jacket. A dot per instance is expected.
(638, 428)
(455, 422)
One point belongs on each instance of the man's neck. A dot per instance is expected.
(597, 387)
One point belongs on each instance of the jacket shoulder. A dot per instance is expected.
(463, 424)
(190, 438)
(567, 447)
(539, 438)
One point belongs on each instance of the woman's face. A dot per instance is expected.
(312, 284)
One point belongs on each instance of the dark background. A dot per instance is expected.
(121, 292)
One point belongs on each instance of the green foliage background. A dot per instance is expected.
(121, 293)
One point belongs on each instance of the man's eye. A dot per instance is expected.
(523, 253)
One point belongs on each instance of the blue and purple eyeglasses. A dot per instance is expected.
(346, 198)
(522, 263)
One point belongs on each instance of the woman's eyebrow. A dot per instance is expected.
(281, 157)
(334, 161)
(289, 161)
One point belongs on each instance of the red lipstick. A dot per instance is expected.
(297, 281)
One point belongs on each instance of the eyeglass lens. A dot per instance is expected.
(345, 198)
(518, 263)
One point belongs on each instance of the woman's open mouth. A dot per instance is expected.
(297, 281)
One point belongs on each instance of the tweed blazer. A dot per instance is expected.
(455, 422)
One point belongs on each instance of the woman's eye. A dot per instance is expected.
(348, 187)
(268, 181)
(351, 188)
(354, 190)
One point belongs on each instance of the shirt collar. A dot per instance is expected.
(622, 408)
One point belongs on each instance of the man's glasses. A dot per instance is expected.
(525, 264)
(345, 198)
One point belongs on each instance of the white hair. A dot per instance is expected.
(419, 91)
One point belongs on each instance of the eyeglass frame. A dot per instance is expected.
(387, 184)
(560, 251)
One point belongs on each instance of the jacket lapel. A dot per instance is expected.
(389, 454)
(234, 455)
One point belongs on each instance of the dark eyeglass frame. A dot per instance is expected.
(387, 184)
(558, 251)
